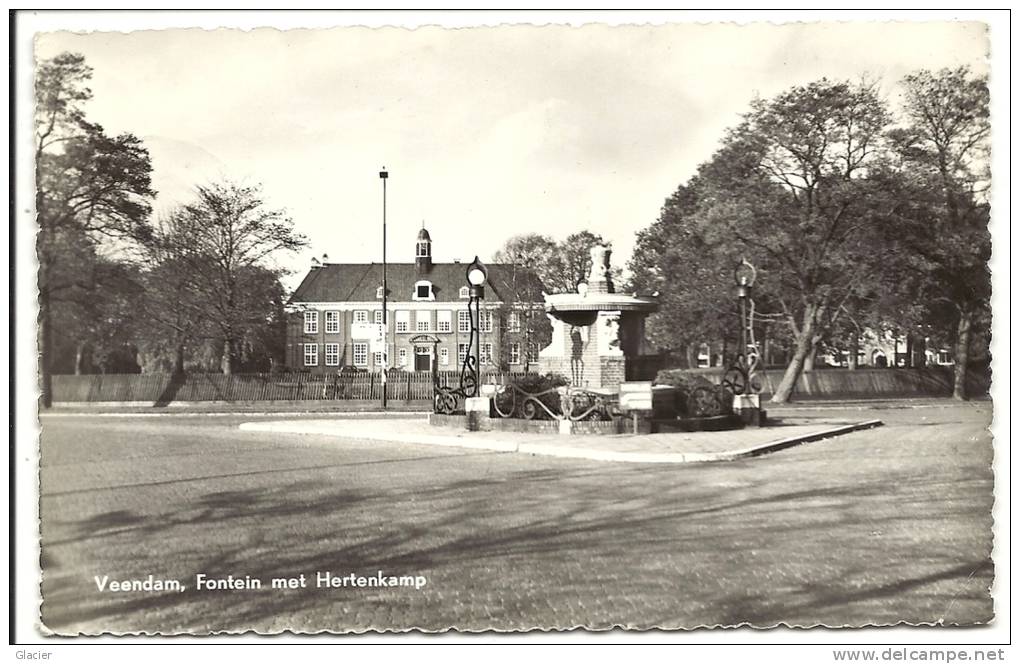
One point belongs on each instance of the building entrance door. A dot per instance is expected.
(422, 358)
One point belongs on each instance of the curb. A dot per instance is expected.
(334, 415)
(540, 449)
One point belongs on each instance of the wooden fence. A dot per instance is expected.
(162, 389)
(865, 382)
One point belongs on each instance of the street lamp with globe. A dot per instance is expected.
(477, 274)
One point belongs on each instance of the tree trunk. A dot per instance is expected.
(910, 351)
(79, 358)
(804, 345)
(179, 359)
(809, 361)
(961, 357)
(855, 348)
(227, 360)
(689, 356)
(45, 348)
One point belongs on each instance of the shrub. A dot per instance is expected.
(696, 395)
(515, 403)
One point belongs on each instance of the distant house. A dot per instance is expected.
(334, 311)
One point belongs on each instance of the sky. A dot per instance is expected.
(486, 132)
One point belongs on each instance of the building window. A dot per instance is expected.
(378, 358)
(332, 355)
(443, 321)
(423, 291)
(332, 322)
(485, 353)
(461, 353)
(402, 357)
(311, 355)
(532, 352)
(485, 322)
(377, 316)
(423, 321)
(515, 353)
(444, 356)
(513, 323)
(311, 322)
(464, 321)
(379, 293)
(422, 250)
(360, 316)
(403, 321)
(464, 294)
(360, 354)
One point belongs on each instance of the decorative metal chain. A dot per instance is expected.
(574, 404)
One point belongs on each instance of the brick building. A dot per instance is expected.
(335, 309)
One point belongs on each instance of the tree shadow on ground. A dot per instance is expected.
(549, 547)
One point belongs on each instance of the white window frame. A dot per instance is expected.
(403, 321)
(485, 353)
(513, 321)
(332, 322)
(444, 320)
(360, 350)
(377, 317)
(379, 293)
(430, 297)
(311, 322)
(422, 250)
(377, 358)
(514, 352)
(444, 357)
(423, 321)
(464, 293)
(532, 351)
(361, 316)
(462, 351)
(311, 358)
(464, 321)
(402, 357)
(332, 353)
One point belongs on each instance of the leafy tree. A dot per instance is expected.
(174, 310)
(575, 256)
(790, 189)
(671, 258)
(944, 147)
(96, 297)
(538, 253)
(86, 183)
(226, 238)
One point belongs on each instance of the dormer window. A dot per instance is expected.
(464, 292)
(423, 291)
(379, 293)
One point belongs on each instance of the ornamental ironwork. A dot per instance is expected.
(743, 376)
(448, 399)
(557, 403)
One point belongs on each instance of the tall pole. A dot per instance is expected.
(384, 175)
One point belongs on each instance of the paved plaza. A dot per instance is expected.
(873, 527)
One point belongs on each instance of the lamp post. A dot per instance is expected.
(740, 377)
(384, 175)
(744, 275)
(476, 277)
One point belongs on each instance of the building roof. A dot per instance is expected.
(424, 235)
(357, 282)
